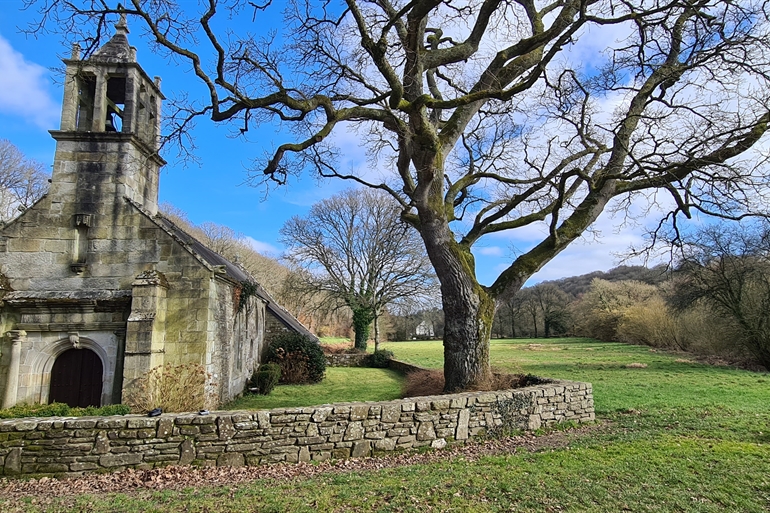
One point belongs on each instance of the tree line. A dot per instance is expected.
(714, 300)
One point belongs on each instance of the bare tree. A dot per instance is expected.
(553, 304)
(22, 181)
(729, 270)
(530, 306)
(359, 251)
(486, 113)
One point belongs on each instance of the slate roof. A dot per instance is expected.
(235, 273)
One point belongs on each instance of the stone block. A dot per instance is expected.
(52, 468)
(231, 459)
(25, 425)
(361, 449)
(354, 431)
(226, 428)
(263, 419)
(439, 443)
(12, 463)
(120, 460)
(342, 410)
(441, 404)
(390, 413)
(140, 423)
(341, 453)
(422, 406)
(312, 430)
(242, 447)
(165, 427)
(462, 425)
(359, 412)
(311, 440)
(80, 424)
(80, 467)
(386, 444)
(322, 456)
(186, 452)
(426, 431)
(321, 414)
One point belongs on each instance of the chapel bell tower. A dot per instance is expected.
(107, 146)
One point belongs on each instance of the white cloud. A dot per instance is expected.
(23, 88)
(604, 246)
(264, 248)
(490, 251)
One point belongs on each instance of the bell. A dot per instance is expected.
(109, 124)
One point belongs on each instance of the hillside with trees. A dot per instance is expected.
(713, 302)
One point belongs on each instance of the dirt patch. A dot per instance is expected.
(45, 491)
(543, 347)
(635, 365)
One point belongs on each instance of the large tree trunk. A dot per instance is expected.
(468, 324)
(468, 309)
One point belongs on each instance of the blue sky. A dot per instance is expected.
(30, 103)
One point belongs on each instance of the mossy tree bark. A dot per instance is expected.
(362, 321)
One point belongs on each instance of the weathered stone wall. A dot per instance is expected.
(53, 446)
(273, 327)
(347, 360)
(198, 311)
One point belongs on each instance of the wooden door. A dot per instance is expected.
(76, 378)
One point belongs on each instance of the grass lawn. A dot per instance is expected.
(340, 384)
(675, 436)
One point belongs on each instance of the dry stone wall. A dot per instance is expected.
(347, 360)
(76, 445)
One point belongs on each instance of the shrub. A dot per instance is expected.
(380, 359)
(300, 358)
(266, 377)
(61, 410)
(174, 388)
(424, 382)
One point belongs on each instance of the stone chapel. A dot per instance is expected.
(96, 286)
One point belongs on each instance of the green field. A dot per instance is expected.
(673, 436)
(340, 384)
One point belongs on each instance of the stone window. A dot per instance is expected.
(86, 94)
(116, 101)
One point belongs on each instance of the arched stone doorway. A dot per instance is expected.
(76, 378)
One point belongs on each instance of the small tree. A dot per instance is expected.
(356, 249)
